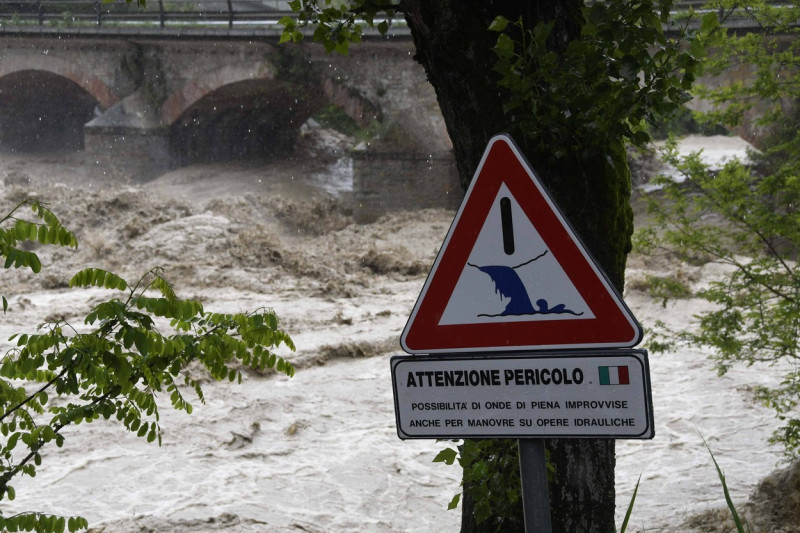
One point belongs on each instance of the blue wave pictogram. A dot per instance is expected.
(509, 285)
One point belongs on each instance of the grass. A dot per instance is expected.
(630, 506)
(741, 525)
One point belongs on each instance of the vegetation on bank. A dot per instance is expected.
(131, 347)
(744, 216)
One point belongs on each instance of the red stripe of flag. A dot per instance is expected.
(623, 375)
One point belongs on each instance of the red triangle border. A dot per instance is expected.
(613, 326)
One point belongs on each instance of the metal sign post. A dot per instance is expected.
(535, 494)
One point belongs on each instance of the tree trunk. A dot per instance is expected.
(593, 189)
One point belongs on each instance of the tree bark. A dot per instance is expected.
(593, 189)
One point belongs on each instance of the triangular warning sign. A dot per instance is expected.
(513, 275)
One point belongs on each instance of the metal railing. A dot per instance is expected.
(66, 13)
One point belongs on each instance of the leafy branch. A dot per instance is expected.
(47, 230)
(604, 86)
(746, 219)
(131, 347)
(337, 25)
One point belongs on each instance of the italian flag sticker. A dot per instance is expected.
(614, 375)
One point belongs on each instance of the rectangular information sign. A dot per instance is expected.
(601, 394)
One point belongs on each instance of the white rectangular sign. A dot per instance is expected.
(593, 394)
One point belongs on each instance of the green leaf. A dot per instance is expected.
(165, 288)
(42, 236)
(499, 24)
(447, 456)
(96, 277)
(285, 37)
(709, 22)
(22, 229)
(454, 502)
(22, 258)
(504, 46)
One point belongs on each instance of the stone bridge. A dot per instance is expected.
(150, 104)
(151, 98)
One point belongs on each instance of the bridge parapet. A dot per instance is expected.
(219, 19)
(156, 103)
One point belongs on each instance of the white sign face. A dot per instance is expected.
(525, 285)
(601, 394)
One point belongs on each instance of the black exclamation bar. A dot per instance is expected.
(508, 225)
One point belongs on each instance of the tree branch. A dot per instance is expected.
(7, 476)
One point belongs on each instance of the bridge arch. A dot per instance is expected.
(254, 119)
(89, 79)
(202, 84)
(43, 111)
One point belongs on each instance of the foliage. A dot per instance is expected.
(750, 224)
(337, 23)
(497, 494)
(486, 464)
(141, 3)
(621, 74)
(47, 230)
(682, 122)
(746, 217)
(334, 117)
(140, 343)
(770, 55)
